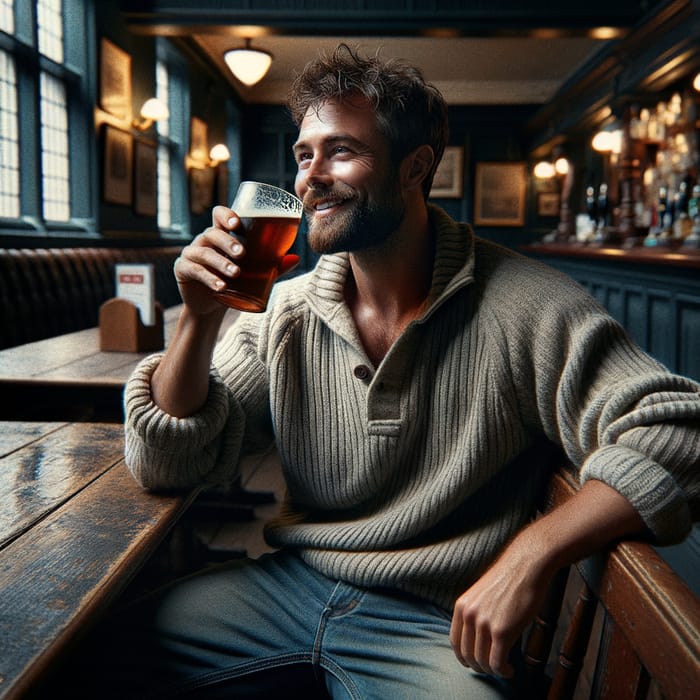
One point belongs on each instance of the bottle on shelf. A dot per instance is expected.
(692, 240)
(602, 232)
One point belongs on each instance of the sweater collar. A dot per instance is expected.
(453, 268)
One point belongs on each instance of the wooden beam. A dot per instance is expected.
(412, 17)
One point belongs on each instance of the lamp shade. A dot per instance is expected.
(608, 141)
(219, 153)
(544, 169)
(561, 166)
(154, 109)
(248, 65)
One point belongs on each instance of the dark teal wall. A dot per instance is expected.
(204, 95)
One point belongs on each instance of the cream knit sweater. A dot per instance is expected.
(414, 474)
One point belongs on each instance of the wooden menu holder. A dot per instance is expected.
(121, 328)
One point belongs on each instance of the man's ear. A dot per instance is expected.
(416, 166)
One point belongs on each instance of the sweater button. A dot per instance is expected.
(361, 372)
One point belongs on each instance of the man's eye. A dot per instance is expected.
(340, 150)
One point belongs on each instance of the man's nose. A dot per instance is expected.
(317, 174)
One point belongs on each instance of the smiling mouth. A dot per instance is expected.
(329, 204)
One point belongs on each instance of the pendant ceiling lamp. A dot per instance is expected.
(248, 65)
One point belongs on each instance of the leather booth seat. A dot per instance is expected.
(46, 292)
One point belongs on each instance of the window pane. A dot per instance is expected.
(50, 29)
(164, 212)
(164, 215)
(54, 149)
(9, 138)
(162, 93)
(7, 16)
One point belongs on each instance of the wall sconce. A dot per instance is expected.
(561, 166)
(544, 170)
(218, 154)
(247, 64)
(696, 82)
(151, 111)
(608, 141)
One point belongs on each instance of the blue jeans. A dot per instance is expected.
(275, 627)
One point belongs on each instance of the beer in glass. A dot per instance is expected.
(269, 218)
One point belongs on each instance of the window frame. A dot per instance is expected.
(80, 88)
(177, 140)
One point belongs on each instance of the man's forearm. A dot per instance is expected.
(181, 382)
(490, 616)
(592, 519)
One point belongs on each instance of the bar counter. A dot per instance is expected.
(662, 256)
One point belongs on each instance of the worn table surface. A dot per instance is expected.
(74, 530)
(68, 377)
(74, 357)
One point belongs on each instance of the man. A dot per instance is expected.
(407, 382)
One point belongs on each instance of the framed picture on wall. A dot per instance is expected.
(201, 189)
(448, 180)
(548, 204)
(222, 195)
(115, 80)
(198, 140)
(146, 179)
(118, 166)
(499, 195)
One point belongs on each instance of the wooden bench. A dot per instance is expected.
(632, 632)
(52, 291)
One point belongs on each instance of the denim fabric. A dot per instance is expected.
(276, 628)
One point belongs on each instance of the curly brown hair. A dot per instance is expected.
(409, 111)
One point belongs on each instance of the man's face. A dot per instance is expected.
(350, 189)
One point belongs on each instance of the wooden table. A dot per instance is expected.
(68, 377)
(74, 530)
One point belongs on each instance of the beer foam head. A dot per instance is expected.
(261, 199)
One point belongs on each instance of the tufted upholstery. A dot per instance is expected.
(51, 291)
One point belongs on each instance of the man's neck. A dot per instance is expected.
(388, 285)
(399, 272)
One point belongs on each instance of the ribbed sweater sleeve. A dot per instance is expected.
(620, 416)
(165, 452)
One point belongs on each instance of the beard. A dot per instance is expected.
(360, 225)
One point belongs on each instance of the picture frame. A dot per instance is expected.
(199, 152)
(118, 166)
(115, 80)
(222, 193)
(146, 179)
(548, 204)
(201, 189)
(449, 176)
(499, 194)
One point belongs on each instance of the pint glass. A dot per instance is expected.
(270, 218)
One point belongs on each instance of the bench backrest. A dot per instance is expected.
(51, 291)
(632, 632)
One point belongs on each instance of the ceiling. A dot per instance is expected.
(467, 70)
(480, 52)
